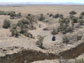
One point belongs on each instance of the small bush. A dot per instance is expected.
(40, 42)
(31, 18)
(69, 29)
(47, 13)
(75, 19)
(28, 35)
(72, 13)
(42, 18)
(29, 14)
(45, 29)
(50, 15)
(6, 24)
(79, 37)
(23, 24)
(82, 13)
(81, 21)
(12, 15)
(54, 32)
(64, 25)
(61, 16)
(3, 13)
(79, 61)
(65, 40)
(14, 31)
(56, 16)
(18, 15)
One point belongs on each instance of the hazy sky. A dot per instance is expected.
(40, 1)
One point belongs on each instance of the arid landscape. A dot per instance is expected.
(42, 34)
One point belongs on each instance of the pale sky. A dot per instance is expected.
(41, 1)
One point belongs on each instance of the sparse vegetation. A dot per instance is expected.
(82, 13)
(65, 40)
(40, 42)
(61, 16)
(72, 13)
(41, 18)
(6, 24)
(64, 26)
(50, 15)
(79, 37)
(54, 32)
(56, 16)
(3, 13)
(23, 24)
(18, 15)
(28, 35)
(13, 15)
(81, 21)
(61, 36)
(15, 31)
(79, 61)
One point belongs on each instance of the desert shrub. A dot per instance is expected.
(42, 17)
(45, 29)
(81, 17)
(64, 25)
(12, 15)
(75, 19)
(66, 29)
(81, 21)
(82, 13)
(23, 24)
(3, 13)
(6, 12)
(71, 17)
(79, 37)
(72, 13)
(39, 43)
(14, 31)
(47, 13)
(18, 15)
(11, 12)
(56, 16)
(62, 28)
(6, 24)
(65, 40)
(64, 21)
(79, 61)
(28, 35)
(69, 29)
(29, 15)
(22, 28)
(50, 15)
(61, 16)
(31, 19)
(54, 32)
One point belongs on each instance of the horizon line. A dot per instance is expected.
(37, 3)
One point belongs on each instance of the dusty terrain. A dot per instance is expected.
(38, 9)
(53, 50)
